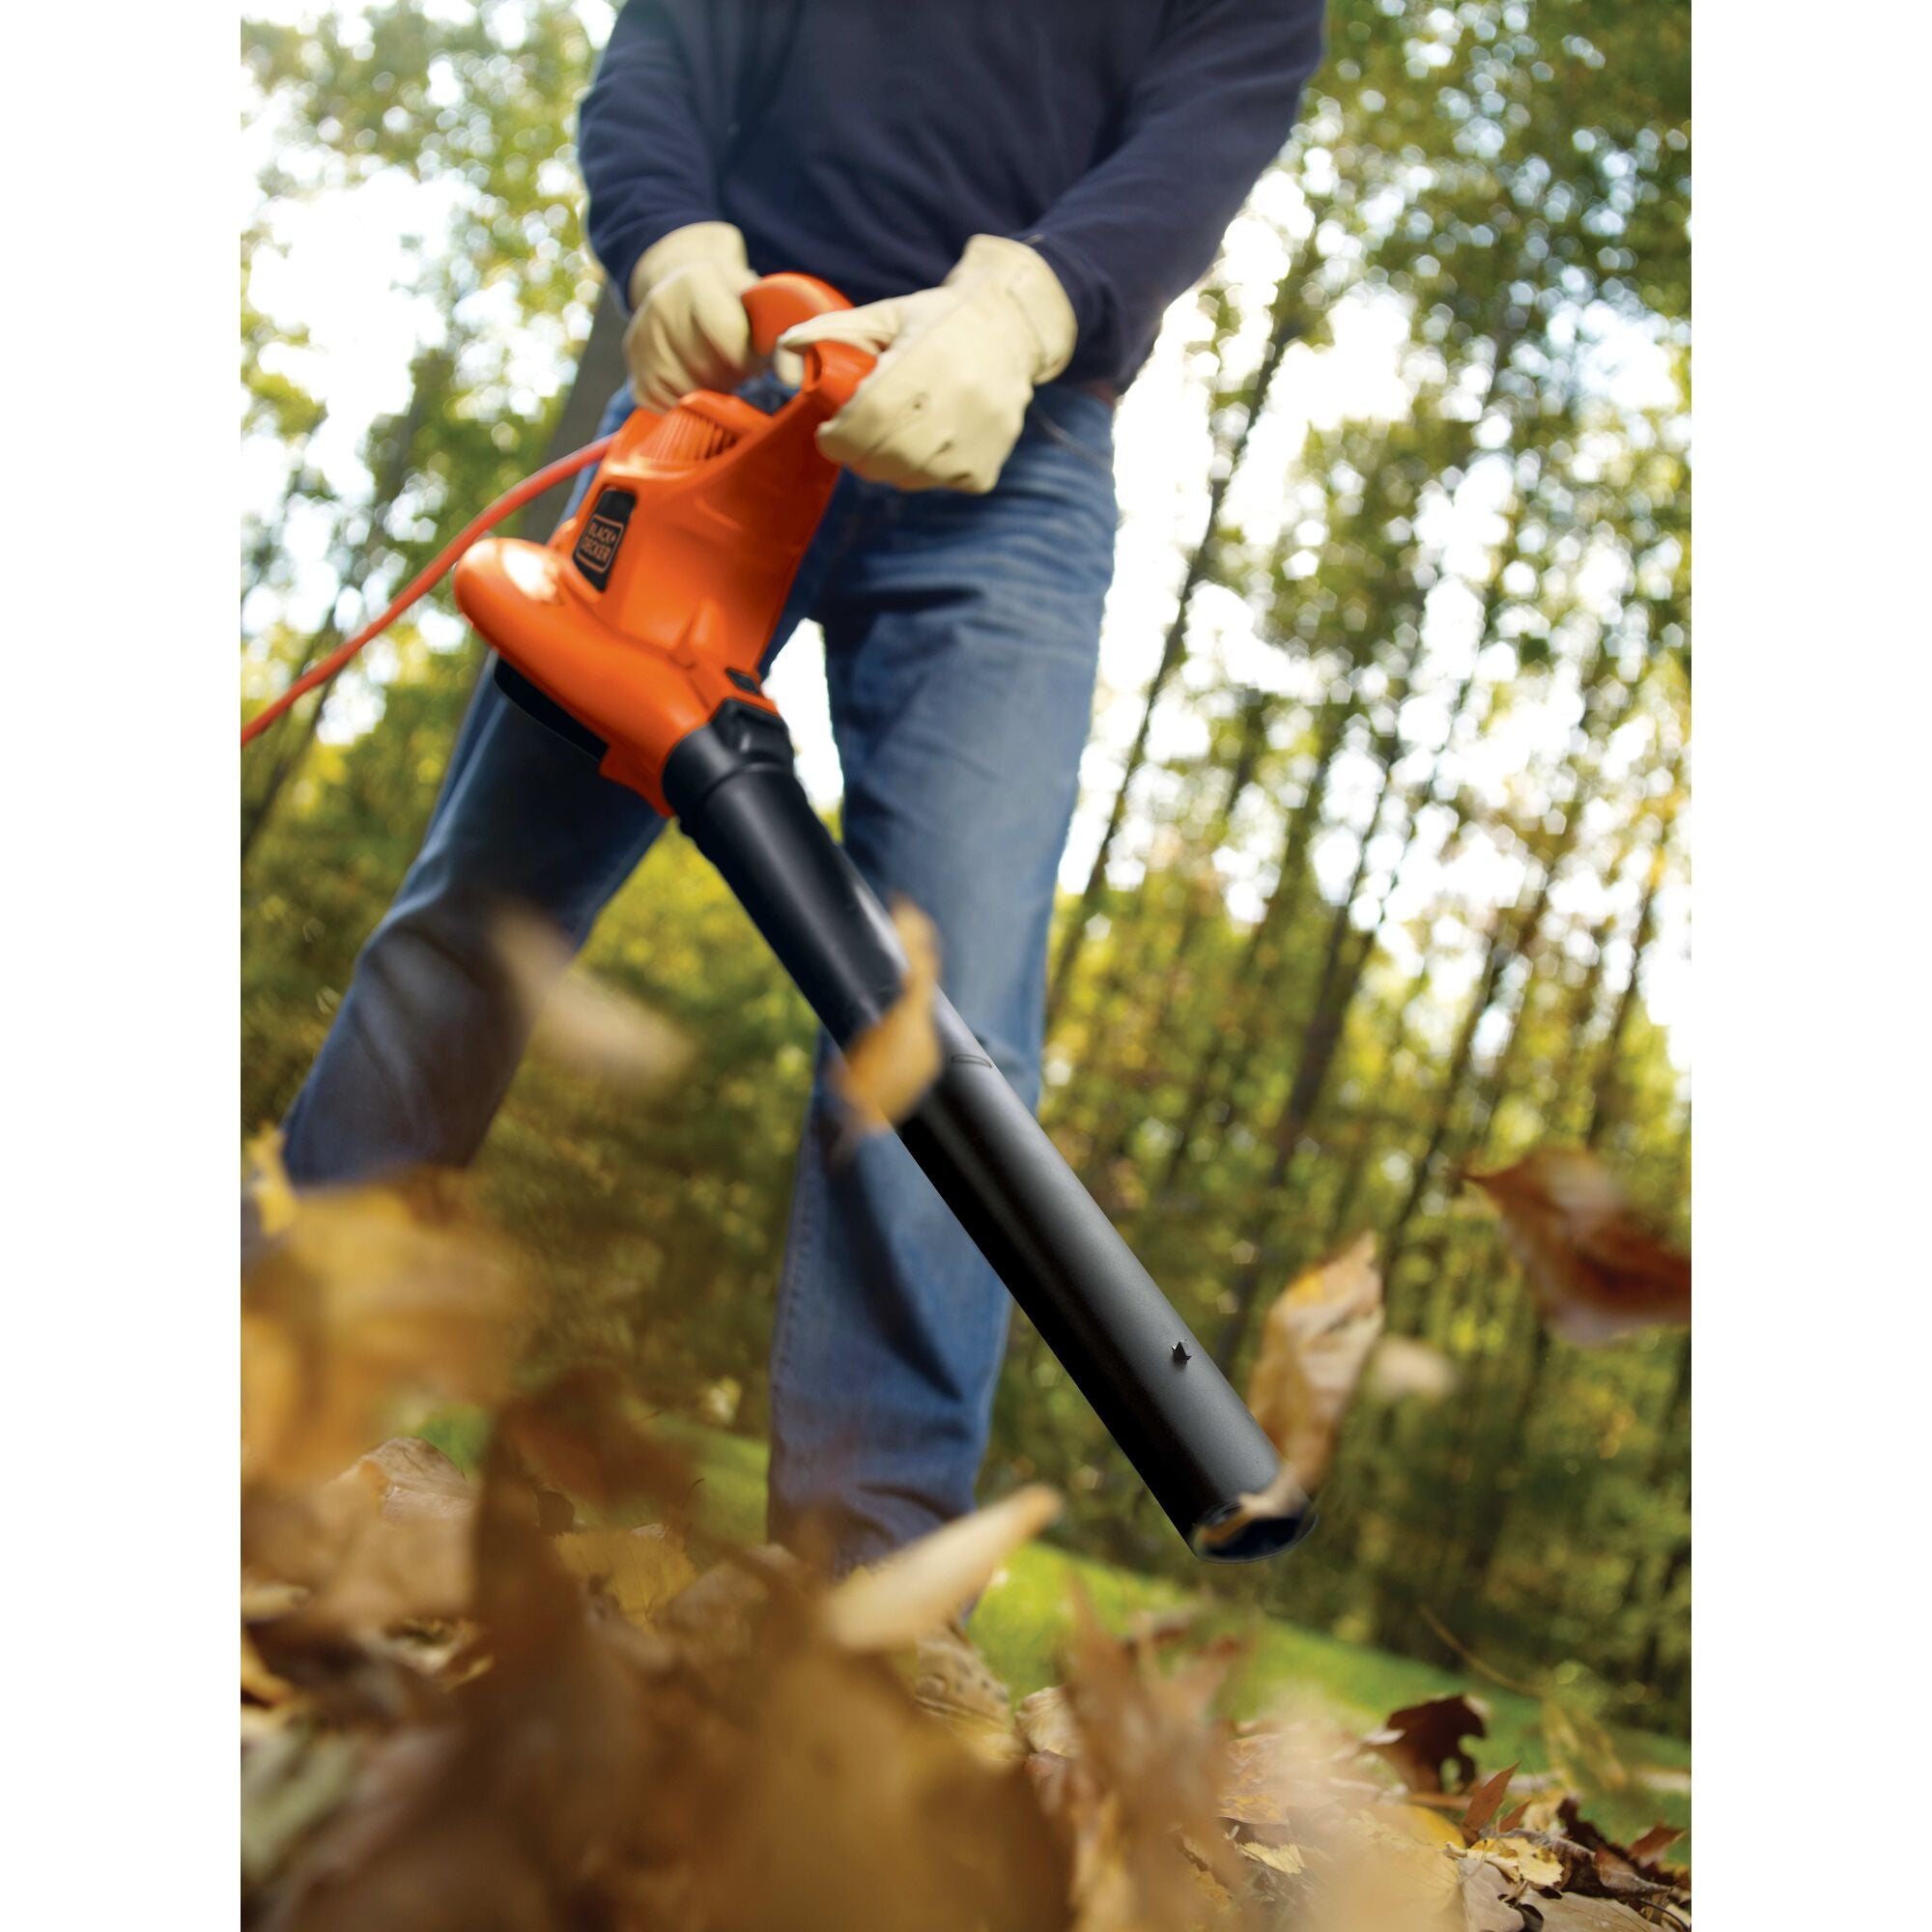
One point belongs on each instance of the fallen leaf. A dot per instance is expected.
(1653, 1843)
(1431, 1826)
(585, 1432)
(577, 1020)
(852, 1810)
(388, 1539)
(1268, 1776)
(639, 1569)
(1485, 1801)
(291, 1781)
(1486, 1891)
(1384, 1880)
(1595, 1272)
(953, 1682)
(1571, 1913)
(1146, 1775)
(259, 1683)
(1047, 1722)
(1420, 1739)
(1284, 1859)
(884, 1074)
(1531, 1858)
(917, 1590)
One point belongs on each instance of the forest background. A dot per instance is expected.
(1380, 869)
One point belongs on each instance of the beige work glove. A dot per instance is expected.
(689, 330)
(957, 366)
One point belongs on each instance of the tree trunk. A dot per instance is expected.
(1288, 328)
(1260, 950)
(430, 377)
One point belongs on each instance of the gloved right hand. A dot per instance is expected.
(689, 330)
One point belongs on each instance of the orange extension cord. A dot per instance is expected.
(515, 498)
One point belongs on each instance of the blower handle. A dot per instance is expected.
(776, 303)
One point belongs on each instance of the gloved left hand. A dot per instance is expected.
(957, 366)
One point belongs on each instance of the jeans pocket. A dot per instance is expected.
(1074, 420)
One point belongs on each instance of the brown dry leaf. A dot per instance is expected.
(1148, 1772)
(1593, 1269)
(915, 1592)
(1271, 1778)
(1428, 1825)
(578, 1021)
(526, 1786)
(847, 1808)
(1487, 1893)
(639, 1569)
(1313, 1344)
(388, 1539)
(1655, 1842)
(1420, 1739)
(259, 1683)
(585, 1432)
(953, 1683)
(1316, 1339)
(883, 1075)
(1531, 1858)
(1282, 1498)
(371, 1297)
(1285, 1858)
(1402, 1367)
(1383, 1880)
(1572, 1912)
(266, 1182)
(1484, 1802)
(1047, 1722)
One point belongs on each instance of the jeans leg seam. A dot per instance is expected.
(799, 1236)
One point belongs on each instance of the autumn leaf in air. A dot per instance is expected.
(578, 1021)
(1316, 1340)
(1595, 1272)
(883, 1075)
(366, 1298)
(915, 1591)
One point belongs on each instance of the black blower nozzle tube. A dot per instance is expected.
(1151, 1383)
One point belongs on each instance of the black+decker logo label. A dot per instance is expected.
(602, 534)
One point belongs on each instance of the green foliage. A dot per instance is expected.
(1386, 897)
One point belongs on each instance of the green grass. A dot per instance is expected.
(1025, 1619)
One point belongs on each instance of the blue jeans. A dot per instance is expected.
(961, 637)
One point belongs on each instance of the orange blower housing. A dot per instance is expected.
(651, 607)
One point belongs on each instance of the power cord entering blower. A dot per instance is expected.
(426, 580)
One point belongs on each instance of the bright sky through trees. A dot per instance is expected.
(344, 261)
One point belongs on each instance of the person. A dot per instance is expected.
(1013, 192)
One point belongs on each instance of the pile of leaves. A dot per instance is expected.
(478, 1704)
(511, 1705)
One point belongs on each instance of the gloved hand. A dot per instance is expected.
(957, 366)
(689, 330)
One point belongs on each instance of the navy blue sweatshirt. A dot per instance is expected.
(866, 141)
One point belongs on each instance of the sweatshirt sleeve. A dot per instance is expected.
(1215, 106)
(651, 130)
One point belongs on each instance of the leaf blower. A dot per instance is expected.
(639, 630)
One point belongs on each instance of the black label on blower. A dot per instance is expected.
(602, 534)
